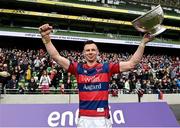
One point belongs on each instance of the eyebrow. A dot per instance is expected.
(91, 48)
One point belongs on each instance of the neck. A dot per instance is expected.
(91, 63)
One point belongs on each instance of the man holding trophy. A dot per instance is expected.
(93, 102)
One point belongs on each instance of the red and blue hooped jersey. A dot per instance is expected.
(93, 85)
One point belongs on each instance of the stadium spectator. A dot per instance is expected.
(126, 86)
(21, 87)
(61, 85)
(68, 83)
(37, 64)
(4, 77)
(114, 88)
(93, 78)
(28, 74)
(13, 83)
(178, 82)
(32, 86)
(45, 81)
(52, 76)
(4, 74)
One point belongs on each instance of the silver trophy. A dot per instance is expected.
(150, 22)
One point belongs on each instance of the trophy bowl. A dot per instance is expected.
(150, 22)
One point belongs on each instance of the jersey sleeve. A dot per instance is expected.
(113, 68)
(73, 68)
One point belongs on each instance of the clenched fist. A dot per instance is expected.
(147, 38)
(45, 31)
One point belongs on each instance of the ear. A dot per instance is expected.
(83, 52)
(98, 55)
(98, 52)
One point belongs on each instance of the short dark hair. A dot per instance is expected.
(89, 42)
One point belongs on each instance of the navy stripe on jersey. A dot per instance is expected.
(106, 67)
(93, 105)
(100, 86)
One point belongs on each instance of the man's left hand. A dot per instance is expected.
(147, 38)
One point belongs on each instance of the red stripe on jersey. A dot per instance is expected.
(93, 96)
(94, 113)
(102, 77)
(73, 68)
(113, 68)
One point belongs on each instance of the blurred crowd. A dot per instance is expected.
(33, 71)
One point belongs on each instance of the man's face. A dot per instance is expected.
(90, 52)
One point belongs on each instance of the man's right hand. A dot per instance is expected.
(45, 31)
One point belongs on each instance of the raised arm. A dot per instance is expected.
(45, 31)
(136, 57)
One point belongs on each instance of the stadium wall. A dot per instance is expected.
(171, 99)
(73, 98)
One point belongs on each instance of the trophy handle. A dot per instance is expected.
(140, 28)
